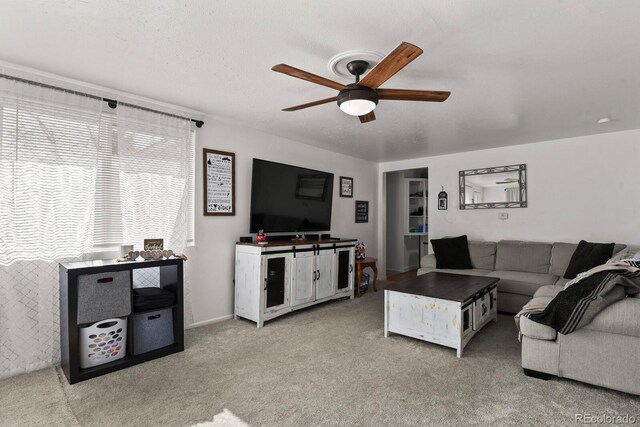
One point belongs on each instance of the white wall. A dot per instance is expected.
(578, 188)
(211, 261)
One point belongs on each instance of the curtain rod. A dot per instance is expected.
(112, 103)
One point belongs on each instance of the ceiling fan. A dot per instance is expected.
(360, 98)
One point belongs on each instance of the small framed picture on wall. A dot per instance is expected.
(346, 186)
(442, 200)
(362, 211)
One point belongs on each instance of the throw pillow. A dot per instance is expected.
(586, 256)
(452, 252)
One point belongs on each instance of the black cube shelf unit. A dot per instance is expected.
(72, 315)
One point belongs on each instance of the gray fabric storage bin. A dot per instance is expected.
(152, 330)
(103, 296)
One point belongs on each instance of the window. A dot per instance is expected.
(77, 176)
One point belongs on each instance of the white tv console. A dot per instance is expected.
(273, 279)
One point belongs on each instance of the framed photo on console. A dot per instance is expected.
(219, 174)
(346, 186)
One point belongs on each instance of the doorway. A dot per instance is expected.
(406, 220)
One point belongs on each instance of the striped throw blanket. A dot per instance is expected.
(587, 295)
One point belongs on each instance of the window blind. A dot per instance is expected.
(48, 164)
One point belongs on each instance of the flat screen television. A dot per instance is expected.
(286, 198)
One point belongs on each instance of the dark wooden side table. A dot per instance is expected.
(361, 264)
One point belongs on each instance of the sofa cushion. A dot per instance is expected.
(536, 330)
(483, 254)
(548, 291)
(588, 255)
(467, 272)
(626, 252)
(523, 283)
(619, 318)
(561, 254)
(515, 255)
(452, 252)
(428, 261)
(562, 281)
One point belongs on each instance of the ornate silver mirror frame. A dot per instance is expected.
(515, 170)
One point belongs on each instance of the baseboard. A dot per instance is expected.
(209, 322)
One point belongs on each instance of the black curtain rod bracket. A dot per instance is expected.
(112, 103)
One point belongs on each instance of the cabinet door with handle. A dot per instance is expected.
(276, 279)
(345, 259)
(325, 282)
(303, 278)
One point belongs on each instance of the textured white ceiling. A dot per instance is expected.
(519, 72)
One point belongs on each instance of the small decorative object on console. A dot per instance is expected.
(261, 237)
(360, 248)
(156, 254)
(149, 255)
(153, 244)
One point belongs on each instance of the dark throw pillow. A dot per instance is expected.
(452, 253)
(586, 256)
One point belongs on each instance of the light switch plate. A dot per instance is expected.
(503, 215)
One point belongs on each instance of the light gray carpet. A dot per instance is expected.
(327, 365)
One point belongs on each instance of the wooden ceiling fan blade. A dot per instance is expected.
(369, 117)
(413, 95)
(310, 104)
(304, 75)
(390, 65)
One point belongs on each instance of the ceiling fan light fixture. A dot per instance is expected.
(357, 100)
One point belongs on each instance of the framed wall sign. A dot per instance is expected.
(362, 211)
(219, 171)
(346, 186)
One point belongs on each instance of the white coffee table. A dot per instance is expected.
(442, 308)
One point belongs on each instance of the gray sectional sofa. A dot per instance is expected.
(606, 352)
(523, 267)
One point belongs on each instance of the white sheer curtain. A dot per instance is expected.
(156, 158)
(513, 194)
(156, 176)
(76, 177)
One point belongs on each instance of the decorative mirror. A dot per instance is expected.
(492, 188)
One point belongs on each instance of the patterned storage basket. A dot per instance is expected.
(103, 342)
(364, 283)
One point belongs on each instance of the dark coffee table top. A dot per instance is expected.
(452, 287)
